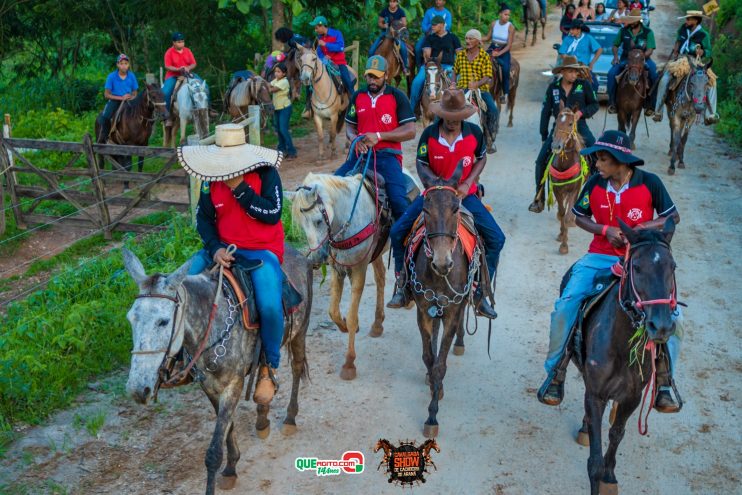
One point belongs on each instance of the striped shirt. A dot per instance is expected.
(471, 71)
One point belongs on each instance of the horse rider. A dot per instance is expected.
(502, 34)
(441, 43)
(437, 10)
(244, 210)
(179, 61)
(443, 144)
(121, 85)
(580, 44)
(692, 40)
(391, 13)
(542, 4)
(332, 48)
(381, 116)
(620, 191)
(633, 34)
(573, 92)
(473, 70)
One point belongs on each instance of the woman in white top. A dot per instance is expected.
(585, 10)
(600, 14)
(622, 10)
(502, 33)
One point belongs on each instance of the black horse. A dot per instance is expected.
(645, 299)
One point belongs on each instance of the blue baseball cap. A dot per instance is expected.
(320, 20)
(177, 36)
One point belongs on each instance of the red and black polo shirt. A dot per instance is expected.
(635, 204)
(442, 160)
(384, 112)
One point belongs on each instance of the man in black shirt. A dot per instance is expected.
(573, 91)
(392, 13)
(438, 43)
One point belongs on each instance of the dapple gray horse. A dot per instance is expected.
(685, 105)
(172, 313)
(191, 103)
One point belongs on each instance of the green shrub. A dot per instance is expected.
(75, 95)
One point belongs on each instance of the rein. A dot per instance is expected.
(334, 93)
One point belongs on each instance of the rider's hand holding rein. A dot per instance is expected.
(223, 258)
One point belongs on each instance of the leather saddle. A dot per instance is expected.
(467, 236)
(239, 286)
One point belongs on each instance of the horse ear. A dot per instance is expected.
(134, 266)
(427, 177)
(290, 195)
(561, 105)
(439, 58)
(456, 177)
(176, 278)
(668, 229)
(708, 65)
(630, 234)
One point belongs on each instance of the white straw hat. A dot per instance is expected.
(229, 157)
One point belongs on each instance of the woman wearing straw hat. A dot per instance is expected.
(633, 35)
(692, 40)
(619, 191)
(240, 203)
(570, 89)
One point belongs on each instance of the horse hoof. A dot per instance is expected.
(510, 124)
(458, 350)
(563, 249)
(376, 331)
(583, 438)
(288, 429)
(430, 431)
(670, 171)
(226, 482)
(608, 488)
(681, 165)
(264, 433)
(347, 373)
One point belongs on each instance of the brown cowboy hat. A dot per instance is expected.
(568, 62)
(453, 106)
(634, 16)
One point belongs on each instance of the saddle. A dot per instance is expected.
(334, 71)
(174, 97)
(238, 285)
(467, 236)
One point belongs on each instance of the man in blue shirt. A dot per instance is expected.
(427, 26)
(331, 46)
(121, 85)
(582, 46)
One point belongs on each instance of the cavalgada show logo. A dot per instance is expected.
(408, 463)
(351, 462)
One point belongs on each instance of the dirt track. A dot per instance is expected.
(495, 437)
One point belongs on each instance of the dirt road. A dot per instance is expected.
(495, 437)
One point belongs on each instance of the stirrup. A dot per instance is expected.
(551, 392)
(482, 306)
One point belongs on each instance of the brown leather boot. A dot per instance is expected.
(266, 387)
(664, 401)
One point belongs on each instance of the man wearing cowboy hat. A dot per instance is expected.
(441, 44)
(240, 203)
(633, 34)
(443, 144)
(570, 90)
(695, 41)
(381, 116)
(473, 70)
(121, 85)
(619, 191)
(582, 46)
(331, 46)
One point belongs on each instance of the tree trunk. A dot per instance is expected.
(278, 16)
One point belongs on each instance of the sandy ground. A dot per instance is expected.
(495, 437)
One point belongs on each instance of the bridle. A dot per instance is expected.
(571, 135)
(452, 235)
(320, 205)
(629, 298)
(314, 80)
(437, 89)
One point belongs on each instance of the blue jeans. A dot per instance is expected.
(281, 120)
(402, 49)
(487, 227)
(615, 70)
(566, 308)
(268, 281)
(347, 78)
(169, 86)
(419, 51)
(389, 167)
(493, 114)
(419, 81)
(504, 61)
(543, 156)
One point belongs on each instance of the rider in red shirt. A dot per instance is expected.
(331, 46)
(179, 61)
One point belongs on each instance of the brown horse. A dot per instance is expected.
(396, 33)
(686, 103)
(533, 15)
(565, 173)
(252, 91)
(631, 94)
(497, 88)
(436, 81)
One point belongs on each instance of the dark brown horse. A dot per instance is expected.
(533, 15)
(132, 124)
(440, 278)
(396, 33)
(686, 103)
(631, 94)
(642, 303)
(497, 87)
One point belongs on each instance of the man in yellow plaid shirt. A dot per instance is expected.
(473, 70)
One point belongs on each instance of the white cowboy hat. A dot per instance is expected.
(229, 157)
(694, 13)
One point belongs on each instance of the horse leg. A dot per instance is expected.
(357, 282)
(320, 134)
(525, 39)
(543, 29)
(609, 484)
(594, 409)
(333, 134)
(336, 293)
(298, 368)
(377, 328)
(183, 125)
(227, 402)
(681, 152)
(621, 117)
(262, 423)
(674, 144)
(430, 429)
(535, 32)
(458, 347)
(426, 324)
(511, 102)
(562, 216)
(140, 163)
(634, 121)
(229, 474)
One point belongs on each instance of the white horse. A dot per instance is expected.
(191, 103)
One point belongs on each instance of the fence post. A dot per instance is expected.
(253, 115)
(98, 187)
(194, 184)
(6, 163)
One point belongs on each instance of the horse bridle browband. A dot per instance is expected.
(452, 235)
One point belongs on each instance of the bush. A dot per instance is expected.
(74, 95)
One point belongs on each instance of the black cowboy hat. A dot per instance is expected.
(579, 24)
(618, 144)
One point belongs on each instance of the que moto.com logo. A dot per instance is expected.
(350, 463)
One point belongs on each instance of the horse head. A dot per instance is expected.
(313, 208)
(441, 210)
(635, 66)
(308, 65)
(260, 93)
(156, 101)
(199, 93)
(565, 130)
(648, 290)
(433, 79)
(698, 82)
(157, 325)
